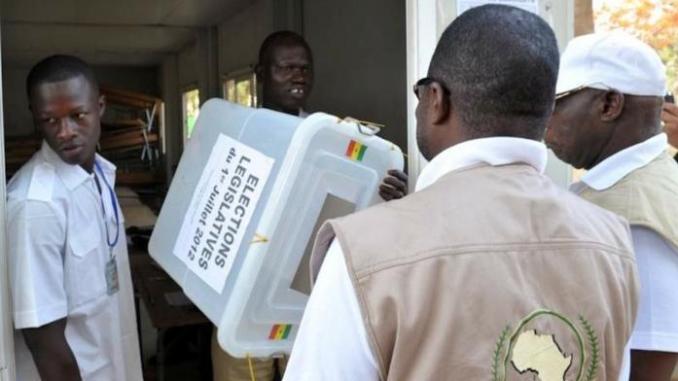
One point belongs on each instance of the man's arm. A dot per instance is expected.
(36, 240)
(652, 365)
(51, 353)
(655, 337)
(670, 119)
(332, 342)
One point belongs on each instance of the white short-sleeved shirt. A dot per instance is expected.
(58, 252)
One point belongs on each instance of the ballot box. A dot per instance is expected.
(238, 223)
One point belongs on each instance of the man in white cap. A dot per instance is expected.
(607, 120)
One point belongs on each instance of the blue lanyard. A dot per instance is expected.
(111, 245)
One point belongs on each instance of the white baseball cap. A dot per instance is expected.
(611, 60)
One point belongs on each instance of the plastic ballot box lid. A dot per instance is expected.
(239, 220)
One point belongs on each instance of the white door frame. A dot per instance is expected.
(7, 369)
(426, 20)
(422, 35)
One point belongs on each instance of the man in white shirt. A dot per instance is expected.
(607, 120)
(485, 271)
(70, 278)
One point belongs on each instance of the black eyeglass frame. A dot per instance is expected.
(565, 94)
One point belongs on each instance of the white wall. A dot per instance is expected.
(7, 364)
(360, 61)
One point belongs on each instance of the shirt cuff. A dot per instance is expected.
(39, 317)
(654, 341)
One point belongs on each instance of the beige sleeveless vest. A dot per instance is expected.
(646, 197)
(491, 273)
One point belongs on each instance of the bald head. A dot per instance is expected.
(283, 38)
(500, 65)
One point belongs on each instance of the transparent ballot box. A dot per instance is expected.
(251, 189)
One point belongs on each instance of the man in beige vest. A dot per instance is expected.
(607, 120)
(488, 271)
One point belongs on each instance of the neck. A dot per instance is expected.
(625, 136)
(88, 165)
(639, 120)
(279, 108)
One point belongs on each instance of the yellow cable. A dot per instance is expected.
(249, 362)
(259, 239)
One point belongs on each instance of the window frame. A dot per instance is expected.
(238, 76)
(184, 112)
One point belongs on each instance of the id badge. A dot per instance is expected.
(112, 284)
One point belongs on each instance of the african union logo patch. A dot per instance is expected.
(549, 347)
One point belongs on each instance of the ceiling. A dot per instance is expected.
(105, 32)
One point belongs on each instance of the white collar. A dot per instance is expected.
(74, 175)
(609, 171)
(493, 151)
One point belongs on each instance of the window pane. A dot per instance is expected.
(230, 90)
(241, 89)
(191, 108)
(244, 92)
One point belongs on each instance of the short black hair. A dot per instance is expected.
(281, 38)
(500, 64)
(58, 68)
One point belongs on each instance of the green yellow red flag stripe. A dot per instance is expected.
(356, 150)
(280, 332)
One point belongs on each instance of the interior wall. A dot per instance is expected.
(188, 66)
(198, 66)
(207, 52)
(360, 61)
(239, 37)
(235, 45)
(18, 121)
(350, 79)
(138, 79)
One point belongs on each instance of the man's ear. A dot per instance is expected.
(102, 105)
(439, 104)
(612, 105)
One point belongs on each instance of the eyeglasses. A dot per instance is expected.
(566, 94)
(426, 81)
(596, 85)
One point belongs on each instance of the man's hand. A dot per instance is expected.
(51, 353)
(670, 119)
(394, 185)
